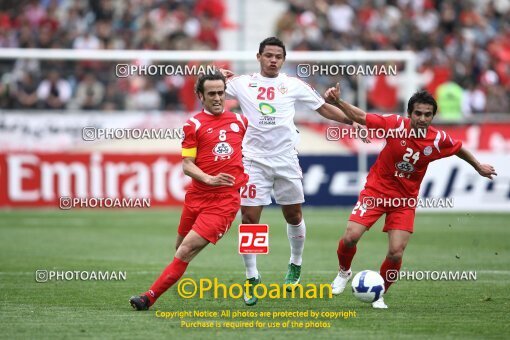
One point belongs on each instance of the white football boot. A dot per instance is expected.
(340, 281)
(379, 303)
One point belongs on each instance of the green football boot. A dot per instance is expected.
(293, 276)
(252, 299)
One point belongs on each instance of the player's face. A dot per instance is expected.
(422, 116)
(213, 98)
(271, 61)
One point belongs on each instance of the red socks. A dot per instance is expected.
(389, 265)
(345, 255)
(168, 277)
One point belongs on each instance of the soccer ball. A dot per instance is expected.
(368, 286)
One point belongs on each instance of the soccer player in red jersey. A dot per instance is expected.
(397, 174)
(212, 157)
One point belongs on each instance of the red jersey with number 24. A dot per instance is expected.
(216, 144)
(403, 162)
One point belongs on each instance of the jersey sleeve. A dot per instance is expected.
(309, 96)
(386, 121)
(446, 145)
(231, 90)
(189, 143)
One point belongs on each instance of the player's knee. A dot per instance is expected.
(350, 239)
(295, 219)
(249, 218)
(185, 252)
(294, 216)
(395, 254)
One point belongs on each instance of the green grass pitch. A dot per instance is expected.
(142, 244)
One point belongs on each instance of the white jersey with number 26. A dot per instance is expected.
(268, 103)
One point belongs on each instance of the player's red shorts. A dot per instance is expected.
(365, 213)
(209, 214)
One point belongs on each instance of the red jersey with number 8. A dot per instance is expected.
(402, 164)
(216, 144)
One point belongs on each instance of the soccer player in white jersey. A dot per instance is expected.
(267, 99)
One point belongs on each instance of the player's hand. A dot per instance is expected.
(226, 73)
(487, 170)
(332, 94)
(221, 179)
(361, 127)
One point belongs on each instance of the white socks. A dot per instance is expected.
(296, 235)
(250, 263)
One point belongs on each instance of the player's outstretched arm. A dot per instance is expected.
(352, 112)
(331, 112)
(485, 170)
(192, 170)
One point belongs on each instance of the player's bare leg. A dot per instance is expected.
(190, 246)
(397, 242)
(345, 252)
(251, 215)
(296, 233)
(178, 241)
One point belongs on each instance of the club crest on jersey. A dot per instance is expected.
(403, 142)
(209, 130)
(427, 151)
(222, 151)
(282, 89)
(405, 166)
(234, 127)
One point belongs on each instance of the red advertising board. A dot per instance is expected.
(40, 179)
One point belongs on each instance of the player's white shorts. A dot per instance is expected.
(279, 173)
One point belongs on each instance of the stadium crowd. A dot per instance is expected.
(463, 48)
(94, 25)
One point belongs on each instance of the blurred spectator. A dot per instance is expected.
(427, 22)
(113, 100)
(34, 12)
(169, 88)
(54, 92)
(89, 93)
(87, 41)
(474, 99)
(450, 97)
(147, 98)
(26, 92)
(497, 100)
(340, 16)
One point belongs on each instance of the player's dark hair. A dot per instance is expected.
(217, 75)
(422, 97)
(272, 41)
